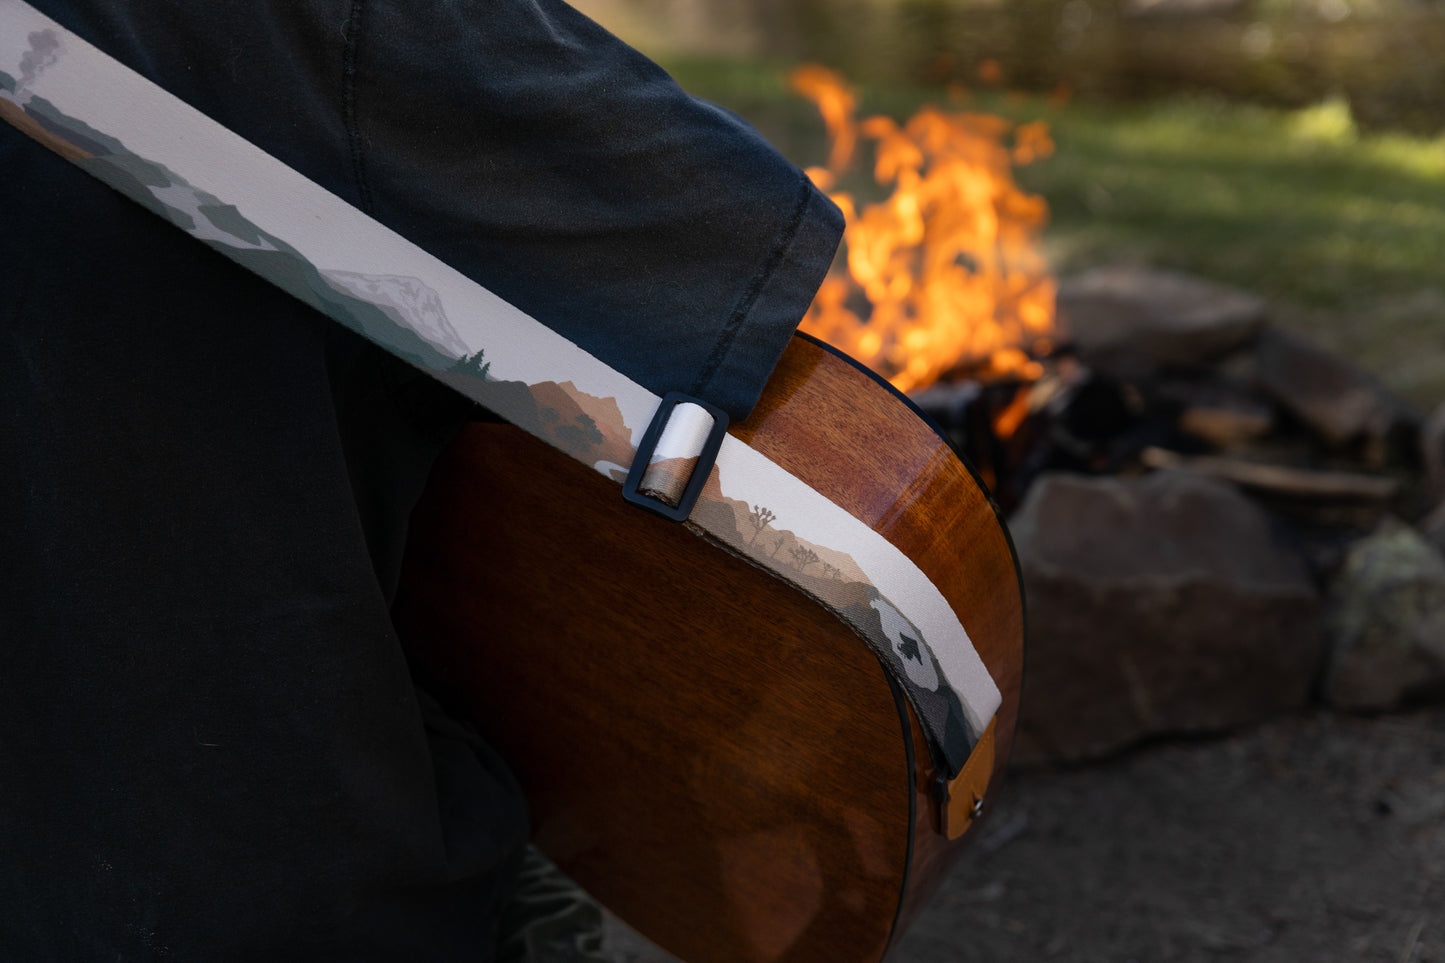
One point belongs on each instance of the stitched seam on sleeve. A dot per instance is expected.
(351, 32)
(755, 289)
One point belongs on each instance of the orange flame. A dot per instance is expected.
(949, 265)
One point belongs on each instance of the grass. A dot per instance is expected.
(1343, 231)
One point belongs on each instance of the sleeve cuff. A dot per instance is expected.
(772, 306)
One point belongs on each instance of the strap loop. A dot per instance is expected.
(676, 456)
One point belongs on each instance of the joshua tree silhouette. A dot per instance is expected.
(803, 557)
(760, 518)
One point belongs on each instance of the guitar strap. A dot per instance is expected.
(247, 205)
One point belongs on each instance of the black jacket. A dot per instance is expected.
(210, 744)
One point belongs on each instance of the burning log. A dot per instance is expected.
(1279, 480)
(1226, 426)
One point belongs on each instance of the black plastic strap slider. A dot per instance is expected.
(643, 491)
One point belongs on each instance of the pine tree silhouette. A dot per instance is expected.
(474, 364)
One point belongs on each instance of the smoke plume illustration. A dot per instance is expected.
(44, 50)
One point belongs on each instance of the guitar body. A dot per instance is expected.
(713, 755)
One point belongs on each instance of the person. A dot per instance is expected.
(211, 747)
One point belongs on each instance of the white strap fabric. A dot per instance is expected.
(244, 203)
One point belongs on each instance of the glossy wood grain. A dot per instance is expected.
(829, 422)
(716, 757)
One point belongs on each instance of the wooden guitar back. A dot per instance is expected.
(715, 756)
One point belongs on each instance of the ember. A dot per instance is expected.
(946, 273)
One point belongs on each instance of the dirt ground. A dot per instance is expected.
(1315, 838)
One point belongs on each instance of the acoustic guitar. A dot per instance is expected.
(711, 753)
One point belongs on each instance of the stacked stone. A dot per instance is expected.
(1174, 603)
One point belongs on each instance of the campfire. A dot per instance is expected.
(945, 277)
(946, 273)
(946, 293)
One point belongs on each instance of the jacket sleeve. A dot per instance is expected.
(571, 176)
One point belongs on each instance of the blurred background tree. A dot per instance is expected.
(1384, 57)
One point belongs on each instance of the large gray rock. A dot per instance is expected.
(1385, 621)
(1131, 321)
(1162, 604)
